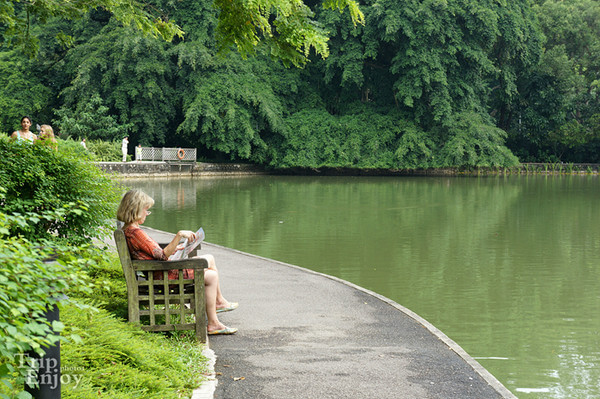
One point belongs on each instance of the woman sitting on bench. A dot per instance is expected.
(132, 211)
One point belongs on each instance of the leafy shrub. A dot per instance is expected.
(54, 201)
(74, 147)
(39, 180)
(97, 150)
(105, 151)
(91, 120)
(316, 138)
(368, 139)
(416, 148)
(114, 358)
(29, 287)
(467, 140)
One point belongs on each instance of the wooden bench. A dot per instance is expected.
(170, 300)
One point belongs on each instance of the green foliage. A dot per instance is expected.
(416, 148)
(105, 151)
(78, 196)
(31, 283)
(118, 360)
(572, 135)
(108, 289)
(468, 140)
(432, 58)
(21, 92)
(229, 103)
(418, 64)
(131, 75)
(369, 140)
(90, 119)
(316, 139)
(17, 15)
(559, 96)
(287, 27)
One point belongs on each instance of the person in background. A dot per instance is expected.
(83, 144)
(133, 209)
(124, 145)
(23, 134)
(47, 135)
(138, 152)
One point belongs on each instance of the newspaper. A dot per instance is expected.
(188, 246)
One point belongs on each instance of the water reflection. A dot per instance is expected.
(507, 267)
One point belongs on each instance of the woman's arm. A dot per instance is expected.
(172, 247)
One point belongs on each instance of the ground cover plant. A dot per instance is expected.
(117, 360)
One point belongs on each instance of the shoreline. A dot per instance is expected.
(204, 169)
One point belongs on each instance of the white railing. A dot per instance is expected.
(165, 154)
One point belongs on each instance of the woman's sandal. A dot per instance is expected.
(232, 306)
(223, 331)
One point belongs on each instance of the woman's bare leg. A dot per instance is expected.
(220, 302)
(211, 282)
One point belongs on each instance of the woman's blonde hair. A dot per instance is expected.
(47, 130)
(133, 205)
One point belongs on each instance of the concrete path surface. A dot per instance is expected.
(304, 335)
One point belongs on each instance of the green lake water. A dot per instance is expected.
(508, 267)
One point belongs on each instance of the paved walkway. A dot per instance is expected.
(308, 335)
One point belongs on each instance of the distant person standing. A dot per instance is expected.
(124, 145)
(83, 144)
(23, 134)
(138, 153)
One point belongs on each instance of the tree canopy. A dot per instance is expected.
(418, 84)
(286, 26)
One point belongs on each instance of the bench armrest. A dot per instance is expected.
(160, 265)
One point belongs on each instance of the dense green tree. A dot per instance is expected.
(432, 62)
(422, 70)
(232, 105)
(21, 92)
(287, 27)
(558, 107)
(90, 120)
(17, 17)
(432, 58)
(131, 74)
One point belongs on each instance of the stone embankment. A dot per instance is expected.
(178, 169)
(181, 169)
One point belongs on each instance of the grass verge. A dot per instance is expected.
(119, 361)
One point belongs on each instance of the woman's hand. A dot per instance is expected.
(190, 235)
(174, 244)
